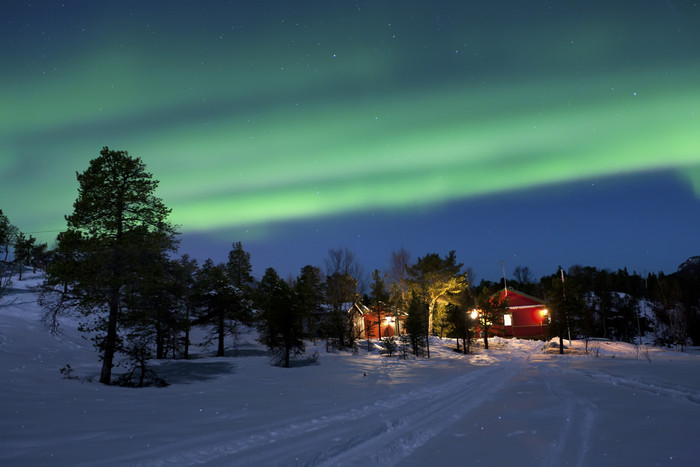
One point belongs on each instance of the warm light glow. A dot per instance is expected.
(475, 314)
(544, 312)
(508, 319)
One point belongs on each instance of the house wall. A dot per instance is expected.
(527, 322)
(526, 314)
(388, 328)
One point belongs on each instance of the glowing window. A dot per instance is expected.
(508, 319)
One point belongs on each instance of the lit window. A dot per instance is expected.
(508, 319)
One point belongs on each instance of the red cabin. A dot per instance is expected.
(364, 322)
(527, 316)
(389, 324)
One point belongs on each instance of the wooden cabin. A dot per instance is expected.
(389, 324)
(527, 316)
(363, 321)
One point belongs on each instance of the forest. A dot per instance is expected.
(117, 265)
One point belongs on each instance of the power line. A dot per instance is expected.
(43, 231)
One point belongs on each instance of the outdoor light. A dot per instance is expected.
(507, 319)
(475, 314)
(544, 312)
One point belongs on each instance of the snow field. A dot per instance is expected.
(515, 404)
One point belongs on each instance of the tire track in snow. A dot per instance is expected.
(385, 431)
(674, 391)
(576, 429)
(450, 403)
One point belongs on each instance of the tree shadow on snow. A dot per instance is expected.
(303, 362)
(245, 353)
(187, 371)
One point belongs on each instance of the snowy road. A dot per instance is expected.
(509, 406)
(582, 412)
(384, 431)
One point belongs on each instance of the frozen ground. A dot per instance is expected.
(514, 404)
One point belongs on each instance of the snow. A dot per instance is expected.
(518, 403)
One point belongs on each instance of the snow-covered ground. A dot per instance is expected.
(516, 404)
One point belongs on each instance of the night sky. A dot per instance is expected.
(537, 133)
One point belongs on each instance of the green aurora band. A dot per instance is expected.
(279, 139)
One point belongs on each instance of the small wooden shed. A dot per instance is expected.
(390, 324)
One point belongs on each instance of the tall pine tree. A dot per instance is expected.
(117, 221)
(308, 297)
(240, 274)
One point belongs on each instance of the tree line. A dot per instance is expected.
(626, 307)
(117, 265)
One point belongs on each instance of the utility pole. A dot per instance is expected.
(566, 314)
(644, 304)
(505, 285)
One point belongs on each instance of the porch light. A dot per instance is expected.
(544, 312)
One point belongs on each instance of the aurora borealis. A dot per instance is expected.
(538, 132)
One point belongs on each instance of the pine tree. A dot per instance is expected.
(308, 296)
(23, 251)
(56, 297)
(379, 297)
(8, 234)
(437, 278)
(217, 300)
(341, 289)
(398, 285)
(460, 317)
(339, 292)
(491, 308)
(238, 266)
(417, 325)
(28, 253)
(397, 272)
(404, 345)
(280, 322)
(116, 222)
(240, 273)
(153, 298)
(185, 272)
(670, 311)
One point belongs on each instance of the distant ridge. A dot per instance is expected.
(691, 266)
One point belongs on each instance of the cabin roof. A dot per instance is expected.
(518, 299)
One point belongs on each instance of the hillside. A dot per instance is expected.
(515, 404)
